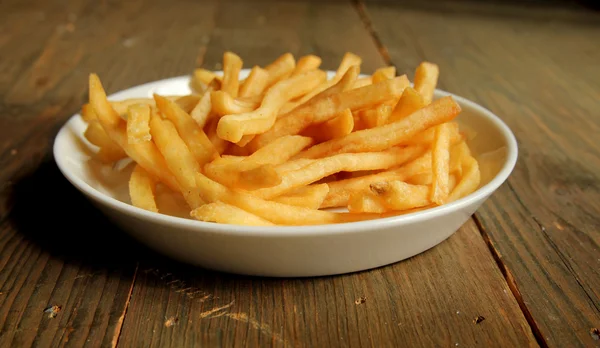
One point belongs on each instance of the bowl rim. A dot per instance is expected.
(295, 231)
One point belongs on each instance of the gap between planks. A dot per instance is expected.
(508, 277)
(118, 329)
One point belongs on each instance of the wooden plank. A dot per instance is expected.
(47, 258)
(429, 300)
(48, 49)
(539, 75)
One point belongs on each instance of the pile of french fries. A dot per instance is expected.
(285, 143)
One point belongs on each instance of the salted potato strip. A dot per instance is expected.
(382, 74)
(337, 127)
(109, 151)
(363, 81)
(280, 69)
(87, 113)
(179, 158)
(138, 124)
(255, 83)
(223, 213)
(426, 137)
(372, 118)
(141, 189)
(224, 104)
(194, 137)
(233, 127)
(457, 155)
(426, 77)
(202, 79)
(440, 157)
(145, 154)
(409, 102)
(387, 196)
(344, 162)
(307, 63)
(219, 144)
(376, 139)
(326, 108)
(310, 196)
(469, 181)
(202, 111)
(232, 65)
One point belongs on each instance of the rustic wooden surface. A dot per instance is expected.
(528, 262)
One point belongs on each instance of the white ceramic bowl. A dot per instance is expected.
(285, 251)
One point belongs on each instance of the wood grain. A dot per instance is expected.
(538, 75)
(402, 303)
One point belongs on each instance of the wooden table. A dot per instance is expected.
(527, 264)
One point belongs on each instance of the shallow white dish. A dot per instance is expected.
(286, 251)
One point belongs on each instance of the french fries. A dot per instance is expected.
(234, 127)
(285, 143)
(232, 64)
(141, 189)
(228, 214)
(138, 124)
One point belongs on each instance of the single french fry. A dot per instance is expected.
(224, 104)
(426, 77)
(293, 165)
(310, 196)
(219, 144)
(201, 112)
(440, 158)
(187, 102)
(337, 127)
(307, 63)
(145, 154)
(323, 109)
(109, 151)
(234, 127)
(389, 196)
(87, 113)
(409, 102)
(255, 83)
(469, 182)
(228, 214)
(458, 153)
(180, 160)
(349, 59)
(188, 130)
(202, 78)
(232, 64)
(138, 124)
(344, 162)
(420, 179)
(426, 137)
(170, 202)
(383, 74)
(380, 138)
(141, 189)
(376, 117)
(280, 69)
(362, 82)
